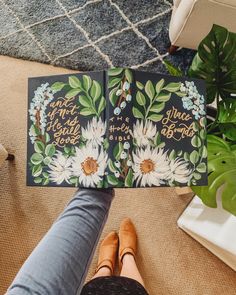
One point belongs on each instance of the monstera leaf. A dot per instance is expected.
(227, 119)
(215, 62)
(221, 172)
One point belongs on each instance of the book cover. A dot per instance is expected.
(214, 228)
(116, 128)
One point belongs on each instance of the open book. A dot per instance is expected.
(116, 128)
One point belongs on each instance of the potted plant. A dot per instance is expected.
(215, 62)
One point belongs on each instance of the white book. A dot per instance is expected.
(214, 228)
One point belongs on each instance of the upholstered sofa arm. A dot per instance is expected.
(181, 11)
(191, 20)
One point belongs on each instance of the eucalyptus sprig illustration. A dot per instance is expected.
(119, 81)
(43, 151)
(121, 173)
(150, 99)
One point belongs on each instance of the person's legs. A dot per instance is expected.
(102, 272)
(59, 264)
(128, 250)
(107, 256)
(130, 269)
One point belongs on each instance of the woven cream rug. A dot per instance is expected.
(170, 261)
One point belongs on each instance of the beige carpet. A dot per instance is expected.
(170, 261)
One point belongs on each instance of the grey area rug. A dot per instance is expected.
(90, 35)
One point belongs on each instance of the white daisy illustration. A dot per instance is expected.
(150, 166)
(180, 171)
(143, 132)
(60, 168)
(95, 131)
(89, 164)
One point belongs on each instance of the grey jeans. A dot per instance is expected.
(59, 263)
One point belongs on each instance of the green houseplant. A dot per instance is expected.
(215, 62)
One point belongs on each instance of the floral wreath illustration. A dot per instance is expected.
(142, 162)
(147, 163)
(84, 164)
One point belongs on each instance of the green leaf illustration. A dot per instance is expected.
(180, 94)
(115, 71)
(197, 176)
(194, 156)
(129, 75)
(172, 87)
(87, 82)
(149, 89)
(163, 97)
(117, 150)
(47, 160)
(179, 154)
(155, 117)
(196, 141)
(204, 152)
(36, 158)
(111, 166)
(137, 113)
(45, 181)
(139, 85)
(161, 145)
(50, 150)
(101, 105)
(113, 97)
(140, 98)
(45, 174)
(67, 149)
(34, 130)
(203, 134)
(74, 180)
(72, 92)
(157, 107)
(38, 180)
(95, 90)
(84, 101)
(157, 139)
(37, 170)
(159, 86)
(202, 168)
(47, 137)
(100, 184)
(186, 156)
(112, 180)
(86, 112)
(58, 86)
(113, 82)
(129, 179)
(39, 146)
(106, 144)
(174, 71)
(74, 82)
(172, 155)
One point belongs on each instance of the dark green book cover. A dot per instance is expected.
(116, 128)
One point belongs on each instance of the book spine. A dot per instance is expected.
(106, 119)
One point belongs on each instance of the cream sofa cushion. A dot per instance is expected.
(192, 20)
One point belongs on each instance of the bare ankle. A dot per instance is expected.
(128, 257)
(104, 271)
